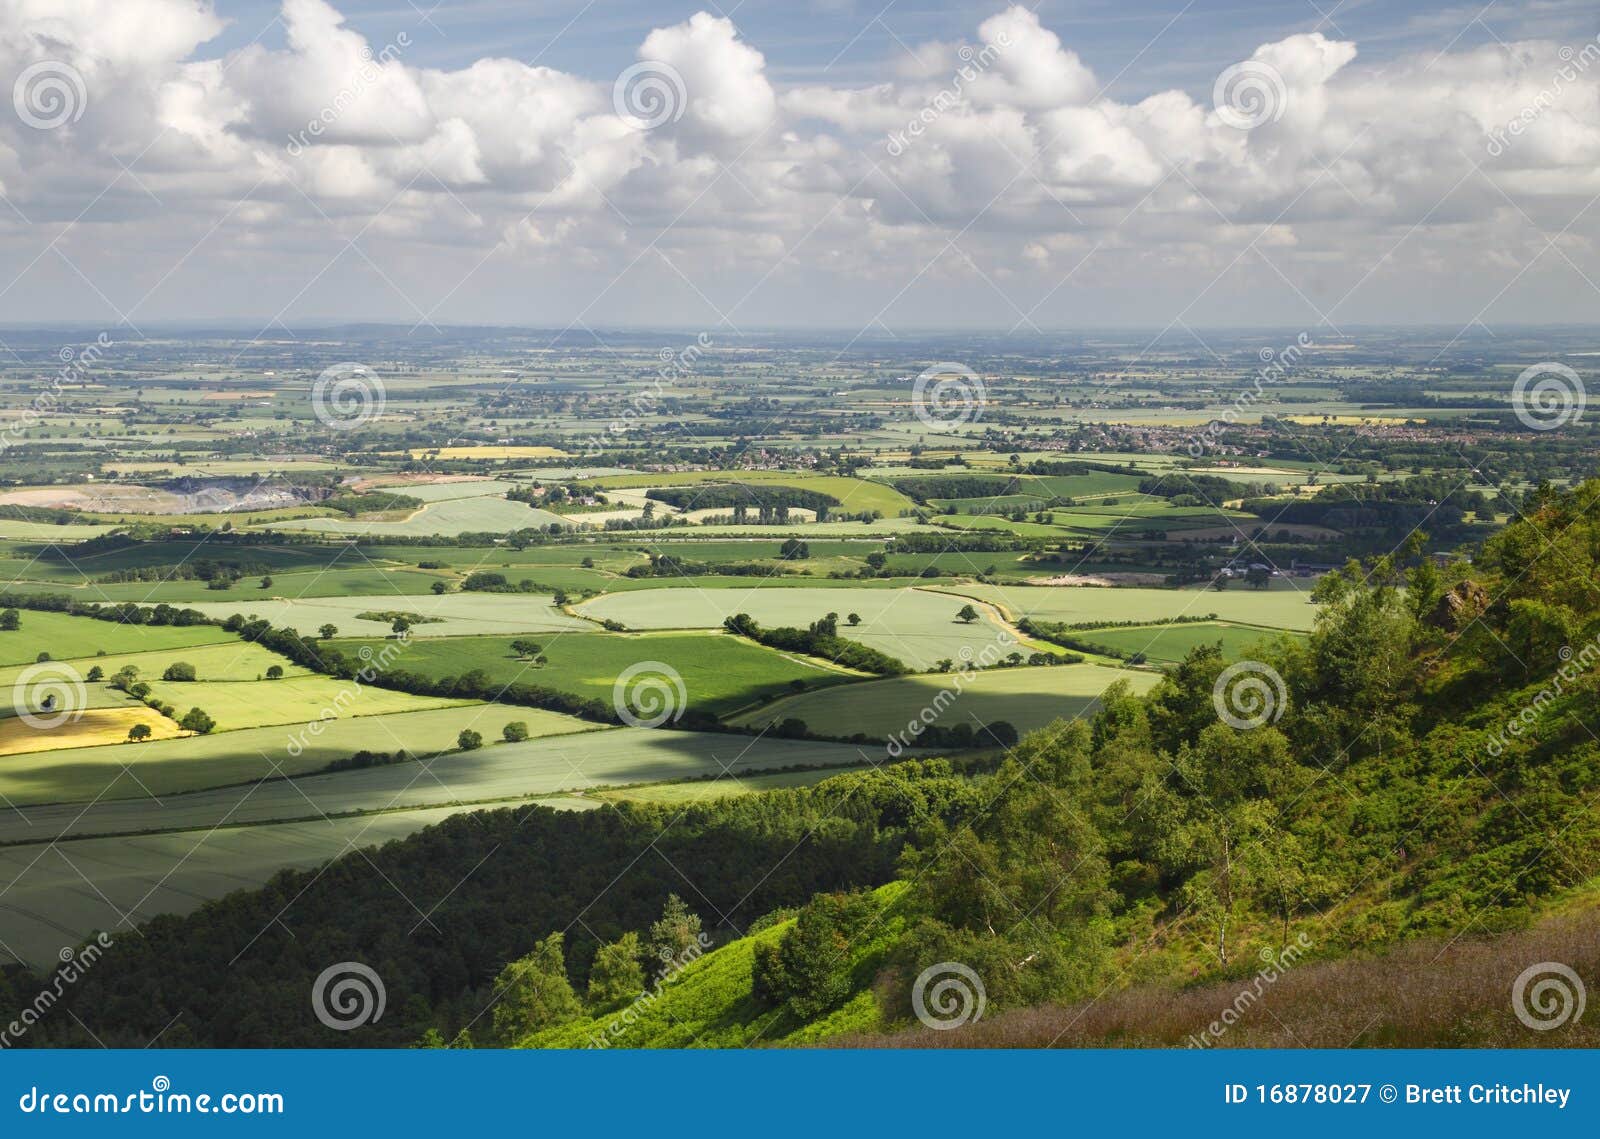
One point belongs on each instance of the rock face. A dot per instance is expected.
(1465, 601)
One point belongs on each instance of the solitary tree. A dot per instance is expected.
(676, 932)
(469, 740)
(275, 672)
(328, 632)
(515, 732)
(854, 619)
(195, 720)
(10, 620)
(967, 614)
(139, 732)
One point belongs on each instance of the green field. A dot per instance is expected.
(65, 637)
(1169, 644)
(236, 704)
(719, 673)
(472, 514)
(231, 660)
(1028, 698)
(164, 767)
(1272, 609)
(457, 614)
(853, 495)
(913, 625)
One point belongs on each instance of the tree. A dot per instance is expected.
(525, 648)
(677, 931)
(967, 614)
(275, 672)
(533, 993)
(126, 677)
(400, 627)
(439, 587)
(794, 549)
(10, 620)
(328, 632)
(616, 974)
(854, 619)
(469, 740)
(179, 670)
(139, 732)
(266, 582)
(1258, 577)
(514, 732)
(195, 720)
(96, 674)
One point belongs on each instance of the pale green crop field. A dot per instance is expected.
(188, 763)
(236, 704)
(234, 660)
(474, 513)
(1027, 698)
(65, 637)
(460, 614)
(915, 626)
(49, 531)
(1274, 609)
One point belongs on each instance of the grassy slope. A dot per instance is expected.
(708, 1004)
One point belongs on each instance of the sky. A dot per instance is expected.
(878, 168)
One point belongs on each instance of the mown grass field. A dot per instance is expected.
(355, 582)
(65, 637)
(1274, 609)
(96, 725)
(915, 626)
(720, 673)
(1028, 698)
(703, 790)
